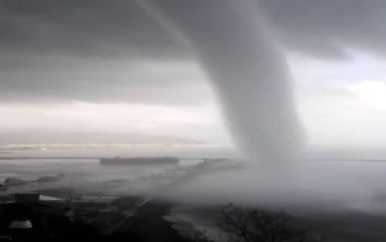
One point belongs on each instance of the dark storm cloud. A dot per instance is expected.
(110, 27)
(83, 27)
(91, 51)
(39, 39)
(328, 28)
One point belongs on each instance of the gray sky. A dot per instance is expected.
(77, 65)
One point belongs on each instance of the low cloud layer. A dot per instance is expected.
(63, 79)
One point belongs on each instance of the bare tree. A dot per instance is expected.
(251, 225)
(243, 224)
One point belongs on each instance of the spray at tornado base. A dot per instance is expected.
(246, 69)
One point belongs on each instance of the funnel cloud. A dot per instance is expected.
(248, 71)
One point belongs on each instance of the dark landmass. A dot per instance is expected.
(103, 216)
(148, 224)
(141, 219)
(134, 218)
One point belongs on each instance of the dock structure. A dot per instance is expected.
(140, 161)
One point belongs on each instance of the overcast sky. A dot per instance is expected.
(107, 66)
